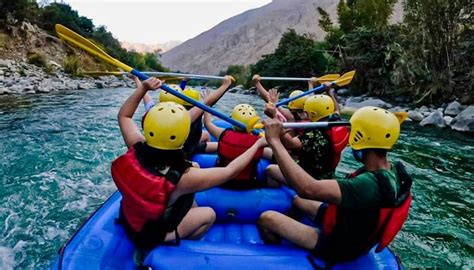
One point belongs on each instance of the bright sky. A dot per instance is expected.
(157, 21)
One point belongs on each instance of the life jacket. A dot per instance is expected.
(339, 137)
(391, 216)
(231, 145)
(145, 194)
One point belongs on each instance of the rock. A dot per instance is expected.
(370, 102)
(415, 116)
(464, 121)
(44, 89)
(426, 113)
(434, 119)
(453, 109)
(423, 109)
(5, 63)
(448, 120)
(354, 100)
(342, 92)
(99, 84)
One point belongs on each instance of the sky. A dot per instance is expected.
(158, 21)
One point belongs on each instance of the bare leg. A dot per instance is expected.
(195, 224)
(205, 137)
(211, 147)
(272, 223)
(274, 176)
(309, 207)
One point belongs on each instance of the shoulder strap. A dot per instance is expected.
(361, 170)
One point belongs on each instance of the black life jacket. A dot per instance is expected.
(194, 137)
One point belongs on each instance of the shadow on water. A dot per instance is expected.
(55, 162)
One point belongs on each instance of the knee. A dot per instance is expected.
(209, 214)
(205, 137)
(267, 219)
(270, 169)
(196, 165)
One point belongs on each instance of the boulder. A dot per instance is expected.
(342, 92)
(434, 119)
(415, 116)
(370, 102)
(426, 113)
(5, 63)
(464, 121)
(453, 109)
(448, 120)
(99, 84)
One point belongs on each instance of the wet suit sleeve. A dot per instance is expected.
(359, 192)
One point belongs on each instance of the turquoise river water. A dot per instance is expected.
(55, 156)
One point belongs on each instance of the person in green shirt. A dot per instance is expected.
(350, 214)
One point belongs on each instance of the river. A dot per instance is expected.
(56, 151)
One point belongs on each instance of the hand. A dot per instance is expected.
(131, 76)
(270, 110)
(327, 87)
(256, 78)
(313, 80)
(227, 80)
(152, 84)
(273, 130)
(204, 94)
(273, 95)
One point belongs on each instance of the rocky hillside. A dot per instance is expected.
(150, 48)
(243, 39)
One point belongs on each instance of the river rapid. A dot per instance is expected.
(55, 156)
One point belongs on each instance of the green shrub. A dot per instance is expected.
(36, 59)
(71, 65)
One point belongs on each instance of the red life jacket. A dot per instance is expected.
(391, 216)
(144, 194)
(233, 144)
(339, 137)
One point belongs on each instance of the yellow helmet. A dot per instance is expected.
(318, 107)
(166, 97)
(373, 127)
(245, 114)
(167, 126)
(191, 93)
(297, 104)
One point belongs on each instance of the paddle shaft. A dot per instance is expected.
(315, 125)
(201, 106)
(284, 79)
(314, 90)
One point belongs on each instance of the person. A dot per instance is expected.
(352, 215)
(294, 113)
(156, 181)
(197, 137)
(317, 151)
(233, 142)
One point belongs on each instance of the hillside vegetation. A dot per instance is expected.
(21, 33)
(427, 58)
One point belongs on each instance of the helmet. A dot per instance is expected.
(191, 93)
(245, 114)
(373, 127)
(297, 104)
(166, 126)
(165, 96)
(318, 107)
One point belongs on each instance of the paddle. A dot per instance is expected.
(325, 78)
(159, 73)
(81, 42)
(345, 79)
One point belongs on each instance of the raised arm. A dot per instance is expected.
(305, 185)
(213, 129)
(211, 99)
(130, 132)
(332, 93)
(260, 89)
(201, 179)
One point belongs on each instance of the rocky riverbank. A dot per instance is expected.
(24, 78)
(450, 115)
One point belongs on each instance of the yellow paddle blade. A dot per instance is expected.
(74, 38)
(401, 116)
(328, 78)
(345, 79)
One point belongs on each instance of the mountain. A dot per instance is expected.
(244, 38)
(146, 48)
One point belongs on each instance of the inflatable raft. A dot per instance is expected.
(233, 242)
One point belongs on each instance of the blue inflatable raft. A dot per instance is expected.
(233, 242)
